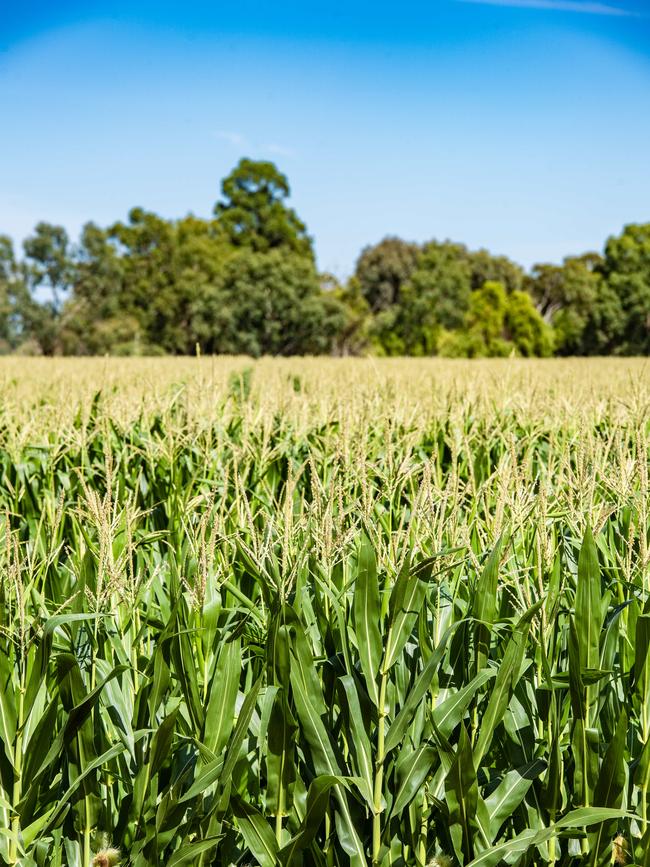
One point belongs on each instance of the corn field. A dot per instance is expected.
(324, 612)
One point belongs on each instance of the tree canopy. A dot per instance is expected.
(246, 281)
(253, 212)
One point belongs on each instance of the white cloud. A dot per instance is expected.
(585, 7)
(243, 143)
(236, 139)
(279, 150)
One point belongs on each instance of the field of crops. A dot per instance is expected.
(324, 612)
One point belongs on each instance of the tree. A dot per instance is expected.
(267, 304)
(525, 327)
(253, 212)
(15, 302)
(484, 325)
(498, 324)
(136, 285)
(488, 268)
(447, 273)
(154, 289)
(430, 290)
(48, 270)
(575, 298)
(383, 269)
(48, 261)
(444, 278)
(626, 269)
(355, 333)
(246, 281)
(408, 328)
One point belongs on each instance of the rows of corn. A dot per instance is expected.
(324, 613)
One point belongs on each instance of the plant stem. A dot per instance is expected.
(552, 856)
(421, 856)
(379, 771)
(328, 844)
(280, 811)
(18, 770)
(87, 833)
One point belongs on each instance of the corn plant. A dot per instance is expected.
(245, 622)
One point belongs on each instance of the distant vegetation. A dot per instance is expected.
(245, 282)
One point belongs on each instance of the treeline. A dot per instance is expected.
(246, 282)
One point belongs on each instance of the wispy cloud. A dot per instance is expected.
(586, 7)
(236, 139)
(279, 150)
(243, 143)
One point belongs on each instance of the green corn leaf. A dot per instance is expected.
(256, 831)
(608, 792)
(588, 608)
(642, 658)
(92, 766)
(220, 710)
(461, 789)
(367, 612)
(360, 741)
(585, 746)
(448, 714)
(412, 770)
(415, 696)
(189, 852)
(161, 743)
(523, 842)
(484, 606)
(509, 794)
(405, 604)
(240, 730)
(505, 682)
(8, 706)
(280, 762)
(318, 798)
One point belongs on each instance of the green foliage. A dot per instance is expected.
(426, 303)
(383, 269)
(627, 269)
(448, 273)
(408, 328)
(526, 328)
(267, 304)
(222, 643)
(243, 283)
(498, 325)
(253, 212)
(246, 282)
(585, 312)
(152, 285)
(599, 305)
(443, 280)
(355, 334)
(498, 269)
(47, 260)
(16, 305)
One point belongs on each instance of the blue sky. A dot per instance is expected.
(519, 125)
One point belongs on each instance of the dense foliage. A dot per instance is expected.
(252, 636)
(246, 282)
